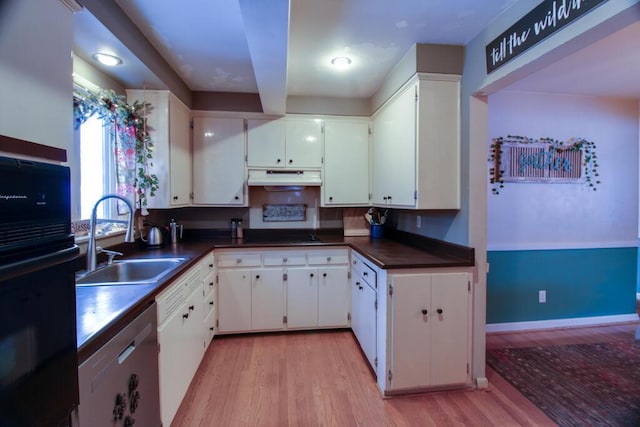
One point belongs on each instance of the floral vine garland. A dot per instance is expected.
(589, 157)
(128, 121)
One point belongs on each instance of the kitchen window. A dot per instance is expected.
(95, 161)
(97, 167)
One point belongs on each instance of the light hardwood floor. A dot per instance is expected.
(321, 379)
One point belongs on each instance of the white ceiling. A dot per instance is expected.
(279, 47)
(244, 46)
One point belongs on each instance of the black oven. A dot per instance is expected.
(38, 353)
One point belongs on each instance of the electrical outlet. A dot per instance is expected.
(418, 221)
(542, 297)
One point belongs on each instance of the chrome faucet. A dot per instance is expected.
(91, 246)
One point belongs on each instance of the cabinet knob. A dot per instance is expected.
(328, 259)
(257, 276)
(365, 273)
(210, 265)
(440, 311)
(185, 316)
(191, 307)
(210, 302)
(324, 274)
(424, 311)
(330, 199)
(210, 283)
(278, 161)
(175, 197)
(237, 197)
(290, 161)
(384, 198)
(211, 329)
(285, 259)
(311, 275)
(238, 260)
(360, 287)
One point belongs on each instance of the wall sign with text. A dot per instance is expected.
(545, 160)
(544, 20)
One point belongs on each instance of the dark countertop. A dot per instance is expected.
(102, 311)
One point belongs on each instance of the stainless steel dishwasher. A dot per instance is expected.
(119, 382)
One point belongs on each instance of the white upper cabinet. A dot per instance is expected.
(346, 163)
(304, 143)
(218, 161)
(286, 142)
(416, 145)
(168, 121)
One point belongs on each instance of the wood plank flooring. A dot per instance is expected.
(322, 379)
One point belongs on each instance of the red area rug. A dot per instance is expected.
(577, 385)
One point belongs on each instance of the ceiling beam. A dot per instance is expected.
(267, 31)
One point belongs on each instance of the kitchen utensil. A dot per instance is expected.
(369, 218)
(155, 237)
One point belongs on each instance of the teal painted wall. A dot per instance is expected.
(579, 283)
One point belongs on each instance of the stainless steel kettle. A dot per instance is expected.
(155, 236)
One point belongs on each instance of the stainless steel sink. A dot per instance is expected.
(130, 271)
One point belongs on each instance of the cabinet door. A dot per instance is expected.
(450, 311)
(267, 299)
(234, 295)
(410, 331)
(394, 151)
(333, 296)
(266, 143)
(346, 163)
(174, 379)
(304, 143)
(180, 147)
(218, 161)
(194, 346)
(302, 297)
(363, 318)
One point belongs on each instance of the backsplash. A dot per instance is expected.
(252, 216)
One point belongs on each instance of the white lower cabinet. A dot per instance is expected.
(302, 297)
(429, 331)
(181, 316)
(282, 289)
(364, 306)
(234, 294)
(210, 302)
(267, 299)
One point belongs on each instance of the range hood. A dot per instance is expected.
(284, 178)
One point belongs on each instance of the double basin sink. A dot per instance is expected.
(140, 271)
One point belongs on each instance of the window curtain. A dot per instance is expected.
(125, 161)
(122, 120)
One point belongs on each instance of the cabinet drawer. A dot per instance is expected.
(338, 256)
(285, 258)
(209, 327)
(208, 284)
(361, 270)
(207, 265)
(208, 304)
(239, 260)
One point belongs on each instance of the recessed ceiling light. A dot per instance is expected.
(107, 59)
(341, 62)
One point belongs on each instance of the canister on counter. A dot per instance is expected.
(234, 228)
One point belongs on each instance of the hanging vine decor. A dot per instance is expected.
(523, 159)
(128, 122)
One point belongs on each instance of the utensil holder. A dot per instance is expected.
(376, 231)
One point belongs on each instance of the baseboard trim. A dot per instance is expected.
(560, 323)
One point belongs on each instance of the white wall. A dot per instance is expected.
(549, 216)
(35, 71)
